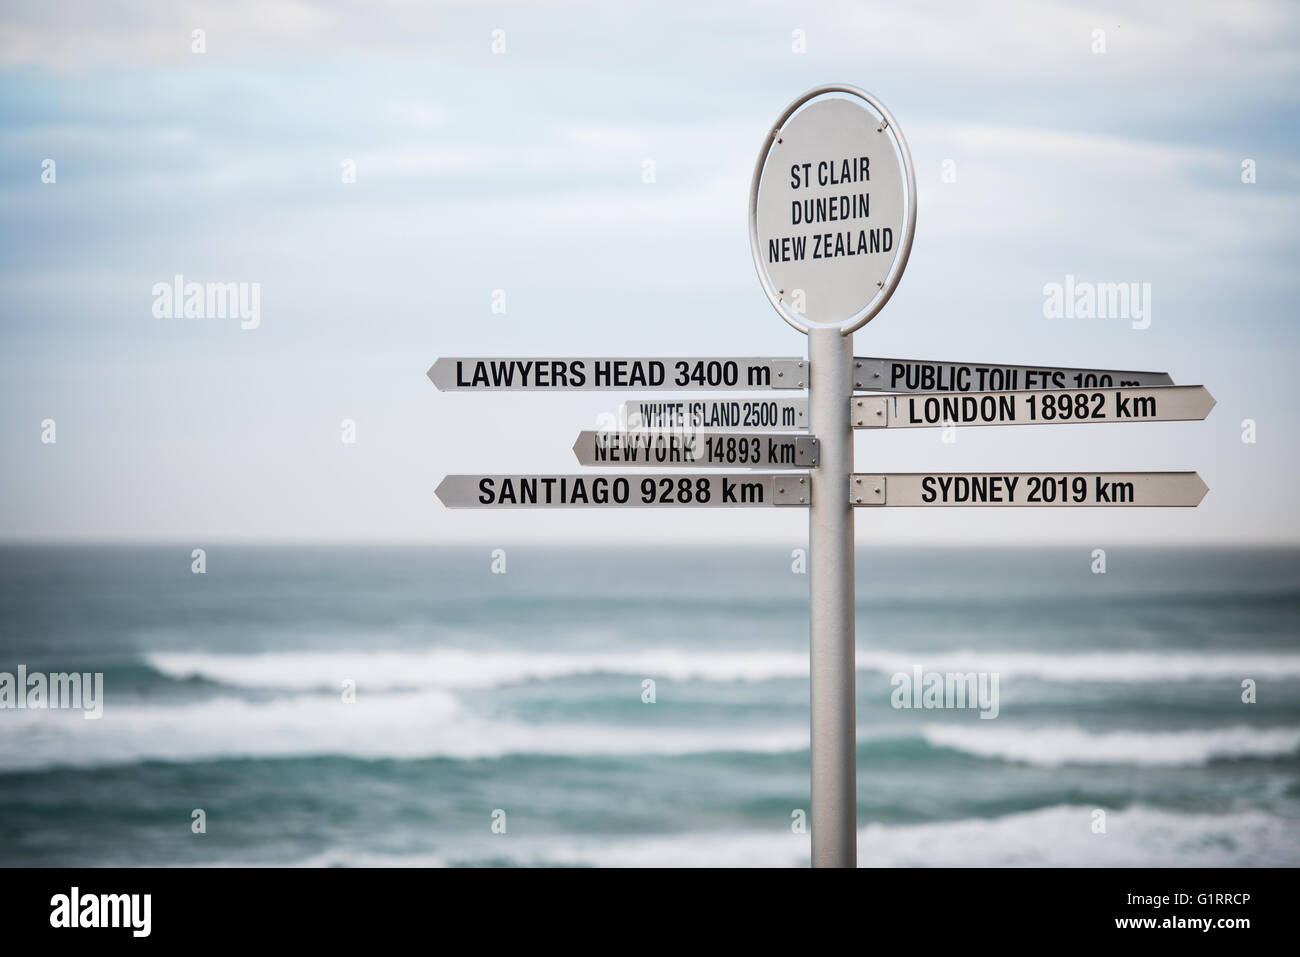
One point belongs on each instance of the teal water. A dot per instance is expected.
(523, 693)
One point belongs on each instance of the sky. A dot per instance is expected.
(1043, 149)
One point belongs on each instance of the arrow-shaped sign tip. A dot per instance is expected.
(1213, 400)
(1204, 488)
(439, 490)
(431, 374)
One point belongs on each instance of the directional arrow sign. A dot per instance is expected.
(1159, 404)
(1079, 489)
(686, 449)
(921, 375)
(591, 374)
(592, 490)
(755, 413)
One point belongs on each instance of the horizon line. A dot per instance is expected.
(201, 542)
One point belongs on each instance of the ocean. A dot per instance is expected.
(644, 706)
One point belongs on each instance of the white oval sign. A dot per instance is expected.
(831, 214)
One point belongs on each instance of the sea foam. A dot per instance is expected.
(457, 668)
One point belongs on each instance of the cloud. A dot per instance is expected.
(1249, 40)
(75, 35)
(418, 114)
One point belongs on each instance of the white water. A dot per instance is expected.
(455, 669)
(1060, 836)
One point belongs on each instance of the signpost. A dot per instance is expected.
(708, 449)
(753, 413)
(832, 213)
(920, 375)
(589, 490)
(595, 374)
(1028, 489)
(1170, 403)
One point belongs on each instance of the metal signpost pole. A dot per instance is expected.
(830, 540)
(832, 214)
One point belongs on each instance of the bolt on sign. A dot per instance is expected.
(832, 215)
